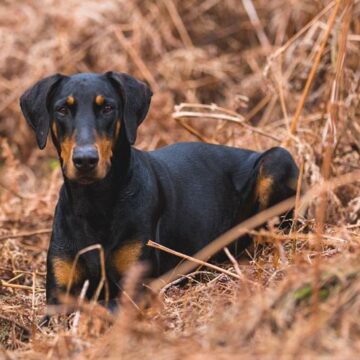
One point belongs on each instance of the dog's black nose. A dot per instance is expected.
(85, 158)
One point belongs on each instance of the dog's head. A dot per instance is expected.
(86, 113)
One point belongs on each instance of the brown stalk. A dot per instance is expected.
(25, 234)
(146, 73)
(211, 107)
(234, 262)
(256, 23)
(203, 115)
(257, 108)
(180, 27)
(4, 283)
(302, 31)
(329, 145)
(80, 302)
(103, 281)
(193, 131)
(192, 259)
(310, 79)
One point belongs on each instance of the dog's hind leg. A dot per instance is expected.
(277, 179)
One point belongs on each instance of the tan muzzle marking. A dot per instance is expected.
(66, 152)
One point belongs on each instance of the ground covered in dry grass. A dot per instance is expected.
(245, 73)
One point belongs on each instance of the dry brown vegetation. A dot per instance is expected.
(280, 72)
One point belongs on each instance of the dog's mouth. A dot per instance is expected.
(85, 180)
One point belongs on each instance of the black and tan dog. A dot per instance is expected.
(183, 195)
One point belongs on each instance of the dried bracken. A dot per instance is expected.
(249, 73)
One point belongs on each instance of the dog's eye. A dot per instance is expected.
(107, 109)
(62, 110)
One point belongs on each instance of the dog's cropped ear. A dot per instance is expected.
(34, 105)
(136, 97)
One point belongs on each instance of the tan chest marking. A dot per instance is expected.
(62, 271)
(126, 255)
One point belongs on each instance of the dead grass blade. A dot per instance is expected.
(314, 68)
(192, 259)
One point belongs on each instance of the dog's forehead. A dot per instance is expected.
(87, 86)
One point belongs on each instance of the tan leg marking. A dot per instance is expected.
(263, 188)
(126, 255)
(62, 271)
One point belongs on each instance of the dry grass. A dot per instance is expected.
(247, 73)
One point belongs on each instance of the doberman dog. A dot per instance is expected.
(182, 196)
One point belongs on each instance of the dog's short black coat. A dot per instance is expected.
(182, 196)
